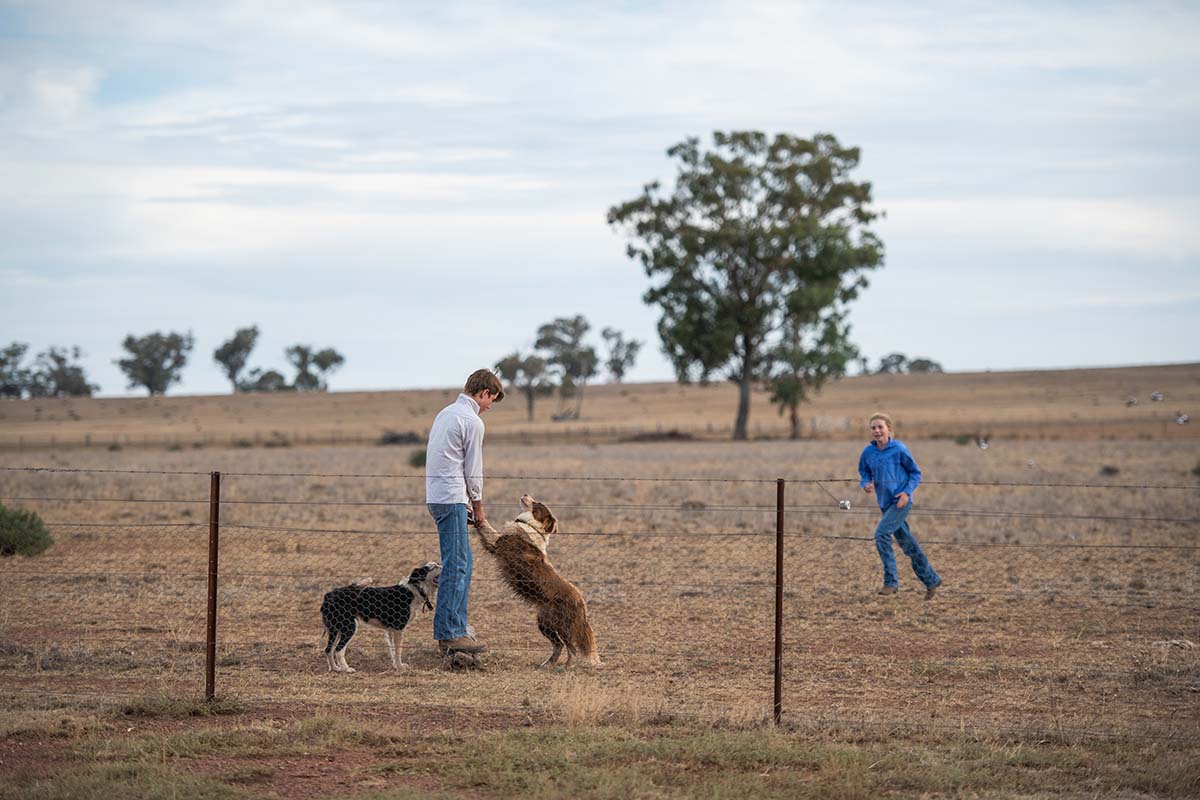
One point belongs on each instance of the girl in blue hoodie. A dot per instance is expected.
(888, 469)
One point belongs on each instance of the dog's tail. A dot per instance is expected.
(585, 639)
(488, 544)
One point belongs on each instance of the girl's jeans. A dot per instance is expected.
(450, 617)
(893, 523)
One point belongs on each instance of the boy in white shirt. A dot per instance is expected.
(454, 478)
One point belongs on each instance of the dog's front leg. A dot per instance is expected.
(391, 646)
(399, 637)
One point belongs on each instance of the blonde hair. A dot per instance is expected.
(481, 380)
(887, 420)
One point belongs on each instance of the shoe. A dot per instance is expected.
(887, 590)
(461, 645)
(930, 591)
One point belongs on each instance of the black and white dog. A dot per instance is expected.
(387, 607)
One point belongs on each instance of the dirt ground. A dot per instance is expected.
(1070, 598)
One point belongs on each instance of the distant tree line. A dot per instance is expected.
(155, 362)
(561, 359)
(900, 364)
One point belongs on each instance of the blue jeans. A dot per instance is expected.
(895, 523)
(450, 617)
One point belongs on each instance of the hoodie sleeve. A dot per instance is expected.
(864, 469)
(914, 472)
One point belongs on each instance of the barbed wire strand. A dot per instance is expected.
(618, 478)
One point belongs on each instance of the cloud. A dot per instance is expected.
(1156, 229)
(63, 94)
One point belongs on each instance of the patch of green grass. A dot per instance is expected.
(126, 781)
(179, 707)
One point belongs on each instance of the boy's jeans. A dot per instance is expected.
(450, 617)
(895, 523)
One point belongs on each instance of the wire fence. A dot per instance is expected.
(1071, 606)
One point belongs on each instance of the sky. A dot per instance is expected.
(420, 185)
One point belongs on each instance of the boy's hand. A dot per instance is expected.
(902, 500)
(870, 487)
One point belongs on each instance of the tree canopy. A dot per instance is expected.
(53, 373)
(312, 367)
(576, 362)
(759, 237)
(233, 354)
(528, 375)
(155, 360)
(622, 353)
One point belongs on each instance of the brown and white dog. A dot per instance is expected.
(520, 551)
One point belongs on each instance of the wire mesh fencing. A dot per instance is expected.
(1064, 607)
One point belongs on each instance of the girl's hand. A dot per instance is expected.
(870, 487)
(902, 500)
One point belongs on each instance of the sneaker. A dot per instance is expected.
(930, 591)
(461, 645)
(887, 590)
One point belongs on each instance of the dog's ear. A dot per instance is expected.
(544, 517)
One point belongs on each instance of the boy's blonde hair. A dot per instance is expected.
(887, 420)
(482, 379)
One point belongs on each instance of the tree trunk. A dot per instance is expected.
(578, 400)
(795, 422)
(743, 412)
(529, 403)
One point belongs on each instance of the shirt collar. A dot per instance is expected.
(469, 401)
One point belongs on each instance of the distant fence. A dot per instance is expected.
(1065, 608)
(813, 428)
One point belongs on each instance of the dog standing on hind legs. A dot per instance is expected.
(520, 552)
(387, 607)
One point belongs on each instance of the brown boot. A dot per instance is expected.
(930, 591)
(887, 590)
(461, 645)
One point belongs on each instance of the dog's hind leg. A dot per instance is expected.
(339, 653)
(333, 635)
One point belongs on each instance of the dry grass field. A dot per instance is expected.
(1061, 657)
(1069, 404)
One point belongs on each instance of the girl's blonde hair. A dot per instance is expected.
(887, 420)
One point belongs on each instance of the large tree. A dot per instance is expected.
(155, 360)
(233, 353)
(526, 374)
(576, 362)
(751, 225)
(622, 352)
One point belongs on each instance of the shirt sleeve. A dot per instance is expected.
(914, 472)
(864, 470)
(473, 460)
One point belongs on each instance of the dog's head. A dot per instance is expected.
(424, 580)
(540, 516)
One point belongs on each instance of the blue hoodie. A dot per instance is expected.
(891, 469)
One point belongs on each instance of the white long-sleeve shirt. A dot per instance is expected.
(454, 455)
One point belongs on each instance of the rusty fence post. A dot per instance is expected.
(778, 711)
(214, 532)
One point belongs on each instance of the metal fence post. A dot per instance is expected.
(214, 532)
(778, 711)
